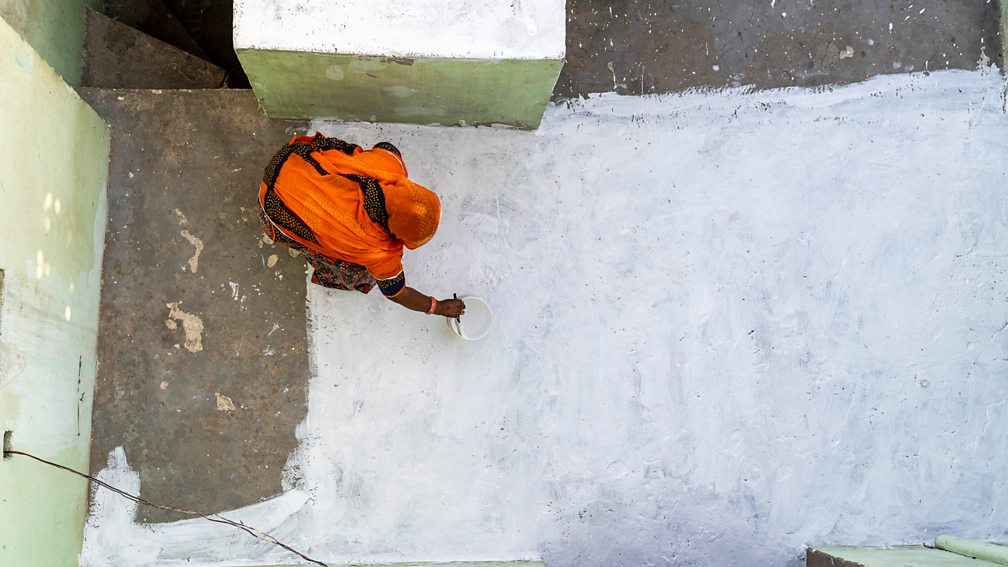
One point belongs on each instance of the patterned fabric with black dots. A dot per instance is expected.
(285, 218)
(374, 199)
(392, 286)
(274, 206)
(388, 147)
(327, 272)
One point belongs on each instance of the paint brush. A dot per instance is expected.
(459, 318)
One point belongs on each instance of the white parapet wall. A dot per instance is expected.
(424, 61)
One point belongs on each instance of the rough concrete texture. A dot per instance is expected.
(654, 46)
(816, 558)
(202, 354)
(155, 19)
(118, 56)
(209, 22)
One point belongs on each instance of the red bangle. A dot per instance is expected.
(433, 306)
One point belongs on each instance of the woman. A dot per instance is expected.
(350, 212)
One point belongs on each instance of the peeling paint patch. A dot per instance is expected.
(400, 91)
(984, 60)
(12, 363)
(419, 110)
(335, 73)
(224, 403)
(191, 324)
(198, 245)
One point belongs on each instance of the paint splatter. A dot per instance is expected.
(224, 403)
(191, 324)
(198, 245)
(272, 260)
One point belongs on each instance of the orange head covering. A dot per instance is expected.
(414, 212)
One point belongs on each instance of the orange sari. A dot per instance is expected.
(347, 203)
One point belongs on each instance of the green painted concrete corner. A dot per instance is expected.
(56, 151)
(1004, 36)
(55, 28)
(524, 563)
(381, 89)
(901, 556)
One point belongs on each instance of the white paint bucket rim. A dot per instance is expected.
(478, 311)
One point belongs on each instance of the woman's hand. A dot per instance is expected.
(413, 299)
(450, 308)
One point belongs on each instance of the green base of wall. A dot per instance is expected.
(460, 564)
(1004, 36)
(55, 28)
(900, 556)
(420, 91)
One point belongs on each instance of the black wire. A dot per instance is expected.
(258, 534)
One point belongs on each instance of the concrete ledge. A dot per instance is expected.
(391, 89)
(455, 564)
(899, 556)
(444, 62)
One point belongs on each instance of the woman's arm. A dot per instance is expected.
(413, 299)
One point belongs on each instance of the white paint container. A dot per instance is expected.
(476, 322)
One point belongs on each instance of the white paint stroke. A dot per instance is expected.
(726, 325)
(112, 538)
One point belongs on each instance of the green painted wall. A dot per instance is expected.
(904, 556)
(1004, 36)
(56, 153)
(424, 91)
(460, 564)
(55, 28)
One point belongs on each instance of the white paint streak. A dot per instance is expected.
(716, 315)
(112, 539)
(192, 325)
(421, 28)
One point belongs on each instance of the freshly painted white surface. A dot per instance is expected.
(726, 325)
(469, 29)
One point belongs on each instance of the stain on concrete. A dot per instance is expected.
(224, 403)
(191, 324)
(198, 245)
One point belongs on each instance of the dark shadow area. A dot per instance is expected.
(201, 27)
